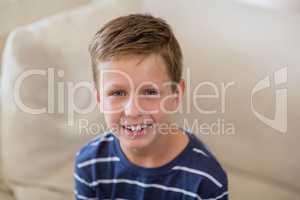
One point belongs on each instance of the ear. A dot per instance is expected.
(97, 95)
(180, 90)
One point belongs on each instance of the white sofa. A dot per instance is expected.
(224, 42)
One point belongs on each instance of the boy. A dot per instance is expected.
(137, 65)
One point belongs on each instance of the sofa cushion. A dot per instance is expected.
(236, 52)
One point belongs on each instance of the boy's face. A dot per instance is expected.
(137, 100)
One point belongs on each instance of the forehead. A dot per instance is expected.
(133, 69)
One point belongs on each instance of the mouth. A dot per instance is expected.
(136, 130)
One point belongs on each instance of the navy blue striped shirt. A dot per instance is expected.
(102, 171)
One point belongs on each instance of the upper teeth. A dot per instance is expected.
(137, 127)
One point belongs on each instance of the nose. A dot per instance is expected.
(132, 107)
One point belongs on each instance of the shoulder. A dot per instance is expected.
(204, 158)
(94, 148)
(87, 157)
(215, 180)
(203, 164)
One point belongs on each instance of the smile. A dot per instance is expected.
(136, 130)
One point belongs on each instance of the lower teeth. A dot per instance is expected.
(136, 130)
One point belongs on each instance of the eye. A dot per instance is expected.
(118, 93)
(150, 91)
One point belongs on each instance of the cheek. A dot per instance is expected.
(113, 105)
(165, 111)
(160, 117)
(112, 119)
(112, 111)
(162, 122)
(150, 105)
(159, 108)
(113, 122)
(167, 105)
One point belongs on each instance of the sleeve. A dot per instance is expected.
(83, 182)
(213, 191)
(221, 194)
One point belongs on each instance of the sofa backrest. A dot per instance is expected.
(244, 59)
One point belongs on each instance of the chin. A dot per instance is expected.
(136, 143)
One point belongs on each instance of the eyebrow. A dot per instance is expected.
(150, 85)
(113, 86)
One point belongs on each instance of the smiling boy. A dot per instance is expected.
(137, 66)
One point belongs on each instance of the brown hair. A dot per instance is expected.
(140, 34)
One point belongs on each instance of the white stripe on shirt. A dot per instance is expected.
(116, 199)
(78, 196)
(200, 151)
(187, 169)
(98, 139)
(218, 197)
(138, 183)
(97, 160)
(102, 140)
(81, 180)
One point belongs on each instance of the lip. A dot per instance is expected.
(135, 124)
(134, 134)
